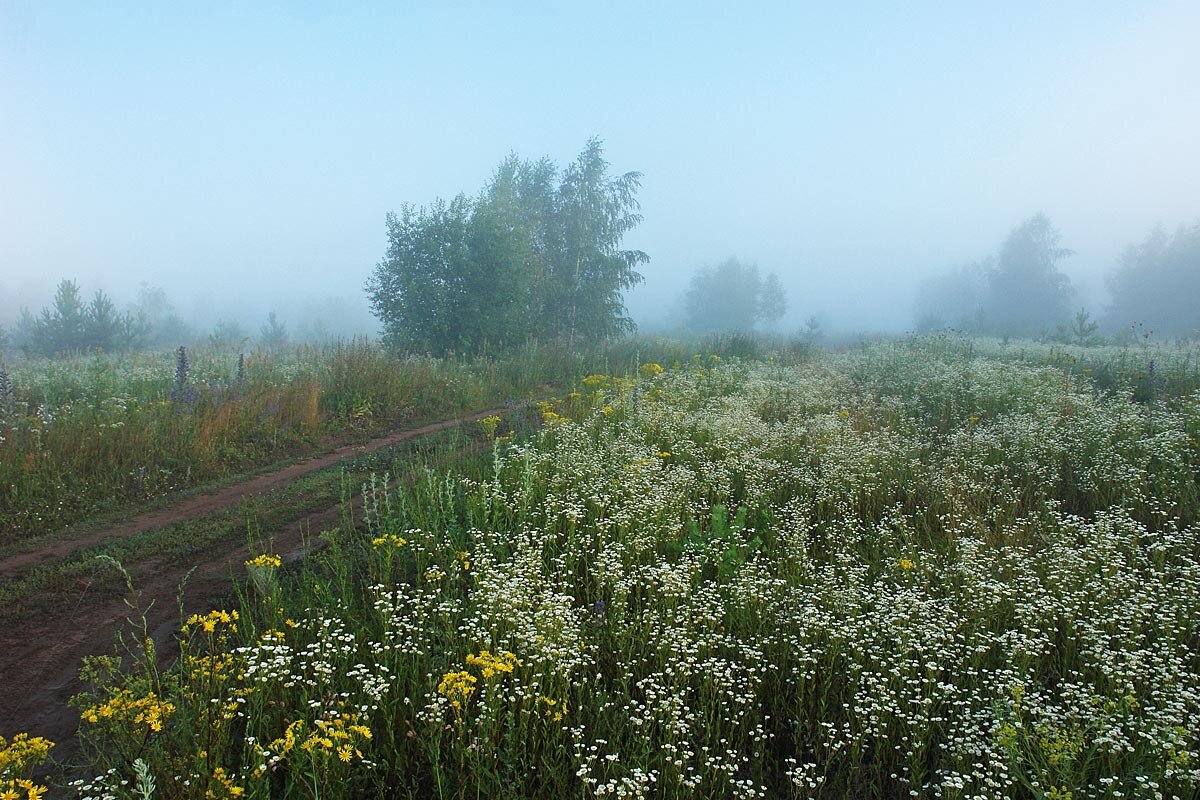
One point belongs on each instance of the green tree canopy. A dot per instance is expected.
(535, 256)
(71, 325)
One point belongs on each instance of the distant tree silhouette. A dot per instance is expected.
(1026, 293)
(953, 299)
(274, 334)
(1157, 283)
(1018, 292)
(69, 325)
(732, 296)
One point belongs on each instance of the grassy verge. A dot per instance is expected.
(42, 588)
(867, 577)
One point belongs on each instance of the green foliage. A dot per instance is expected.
(1082, 329)
(70, 325)
(725, 546)
(62, 327)
(535, 257)
(944, 573)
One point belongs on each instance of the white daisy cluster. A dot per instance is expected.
(895, 572)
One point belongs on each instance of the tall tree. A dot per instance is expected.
(102, 326)
(417, 291)
(733, 296)
(62, 328)
(590, 270)
(772, 301)
(533, 256)
(1157, 282)
(1026, 293)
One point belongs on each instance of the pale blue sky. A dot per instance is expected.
(247, 157)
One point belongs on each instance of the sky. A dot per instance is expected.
(244, 156)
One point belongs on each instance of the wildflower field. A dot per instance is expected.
(909, 570)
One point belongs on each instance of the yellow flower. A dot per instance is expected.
(125, 707)
(212, 620)
(906, 564)
(555, 709)
(22, 752)
(265, 561)
(458, 688)
(489, 664)
(222, 786)
(552, 418)
(489, 425)
(389, 540)
(650, 370)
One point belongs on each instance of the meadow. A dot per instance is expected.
(102, 434)
(907, 570)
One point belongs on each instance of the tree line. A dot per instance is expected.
(72, 324)
(75, 324)
(1021, 290)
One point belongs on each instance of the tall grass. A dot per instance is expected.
(88, 435)
(891, 572)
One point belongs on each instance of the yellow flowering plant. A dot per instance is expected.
(18, 758)
(126, 708)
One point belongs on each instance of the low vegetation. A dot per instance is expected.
(909, 570)
(91, 435)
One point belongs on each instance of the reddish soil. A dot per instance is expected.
(40, 657)
(224, 498)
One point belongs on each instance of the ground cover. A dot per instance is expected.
(879, 574)
(103, 435)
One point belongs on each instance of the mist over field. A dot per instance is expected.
(548, 401)
(243, 160)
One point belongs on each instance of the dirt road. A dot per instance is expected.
(40, 657)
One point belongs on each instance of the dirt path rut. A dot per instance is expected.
(224, 498)
(40, 658)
